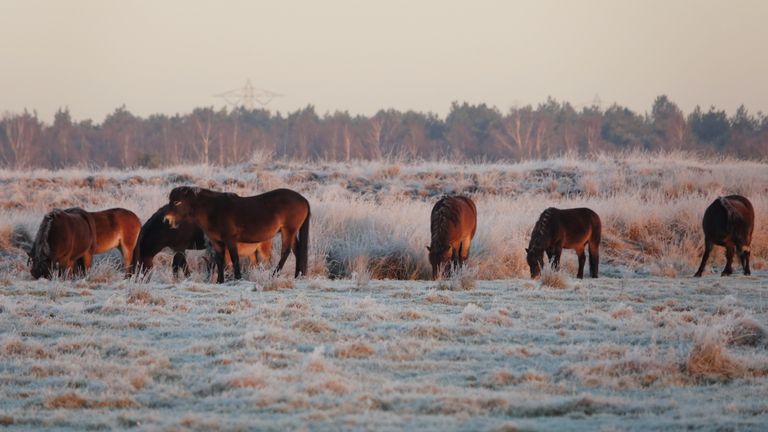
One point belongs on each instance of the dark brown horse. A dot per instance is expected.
(453, 224)
(228, 219)
(728, 222)
(157, 235)
(556, 230)
(65, 243)
(117, 228)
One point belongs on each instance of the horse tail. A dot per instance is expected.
(137, 252)
(302, 247)
(730, 212)
(597, 228)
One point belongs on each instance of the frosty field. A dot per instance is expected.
(364, 342)
(610, 354)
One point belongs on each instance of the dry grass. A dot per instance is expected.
(749, 332)
(555, 279)
(710, 359)
(234, 306)
(357, 350)
(72, 400)
(313, 326)
(142, 296)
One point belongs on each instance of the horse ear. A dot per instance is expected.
(429, 248)
(526, 250)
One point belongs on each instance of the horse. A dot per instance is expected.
(117, 228)
(157, 235)
(65, 243)
(559, 229)
(228, 219)
(453, 223)
(729, 222)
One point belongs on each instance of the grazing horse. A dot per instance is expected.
(228, 219)
(157, 235)
(565, 229)
(453, 224)
(65, 242)
(117, 227)
(728, 222)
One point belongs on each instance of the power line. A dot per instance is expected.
(248, 96)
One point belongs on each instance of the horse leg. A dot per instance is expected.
(466, 246)
(80, 267)
(180, 264)
(555, 260)
(127, 251)
(582, 261)
(285, 250)
(745, 262)
(594, 259)
(87, 261)
(219, 259)
(235, 258)
(707, 250)
(264, 253)
(730, 251)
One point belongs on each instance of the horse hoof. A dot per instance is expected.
(697, 275)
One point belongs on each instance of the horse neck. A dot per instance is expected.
(440, 221)
(540, 233)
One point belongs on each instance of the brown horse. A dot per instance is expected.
(228, 219)
(453, 224)
(117, 228)
(565, 229)
(157, 235)
(65, 242)
(728, 222)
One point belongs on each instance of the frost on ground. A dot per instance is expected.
(609, 354)
(643, 347)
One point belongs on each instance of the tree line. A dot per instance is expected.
(471, 132)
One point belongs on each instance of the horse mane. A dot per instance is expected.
(540, 228)
(442, 215)
(41, 248)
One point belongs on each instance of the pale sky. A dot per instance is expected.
(169, 56)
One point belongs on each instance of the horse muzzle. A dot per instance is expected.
(171, 221)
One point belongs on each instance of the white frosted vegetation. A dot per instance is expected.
(601, 354)
(643, 347)
(372, 218)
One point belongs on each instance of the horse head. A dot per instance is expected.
(181, 202)
(535, 258)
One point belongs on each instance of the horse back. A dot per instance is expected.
(255, 218)
(72, 234)
(453, 218)
(567, 227)
(115, 225)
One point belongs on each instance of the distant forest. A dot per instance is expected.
(468, 132)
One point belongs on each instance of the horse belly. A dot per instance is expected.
(107, 241)
(258, 233)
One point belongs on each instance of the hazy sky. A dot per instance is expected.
(172, 55)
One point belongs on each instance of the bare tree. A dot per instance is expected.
(21, 130)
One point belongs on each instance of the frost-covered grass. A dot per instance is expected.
(643, 347)
(373, 217)
(606, 354)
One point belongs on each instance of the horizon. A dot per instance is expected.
(341, 56)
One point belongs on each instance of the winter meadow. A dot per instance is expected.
(366, 340)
